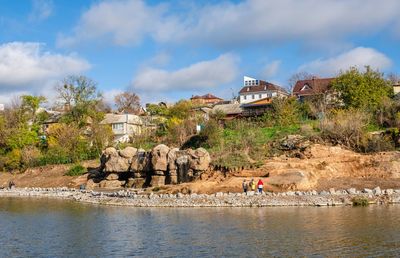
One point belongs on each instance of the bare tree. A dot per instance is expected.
(298, 77)
(128, 102)
(393, 78)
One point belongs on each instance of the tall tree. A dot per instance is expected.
(359, 89)
(128, 102)
(79, 96)
(30, 104)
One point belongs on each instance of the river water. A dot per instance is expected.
(55, 228)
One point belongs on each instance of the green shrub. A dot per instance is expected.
(13, 160)
(76, 170)
(360, 201)
(377, 144)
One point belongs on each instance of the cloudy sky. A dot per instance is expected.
(169, 50)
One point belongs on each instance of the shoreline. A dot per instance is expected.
(251, 199)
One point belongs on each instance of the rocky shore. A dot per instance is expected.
(140, 199)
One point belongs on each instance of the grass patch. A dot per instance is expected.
(360, 201)
(76, 170)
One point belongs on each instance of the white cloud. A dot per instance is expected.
(25, 67)
(124, 22)
(127, 22)
(271, 69)
(201, 75)
(110, 94)
(358, 57)
(41, 10)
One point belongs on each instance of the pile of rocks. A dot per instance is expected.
(138, 198)
(138, 168)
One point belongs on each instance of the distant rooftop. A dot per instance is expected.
(206, 96)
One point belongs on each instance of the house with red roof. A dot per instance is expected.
(313, 87)
(207, 99)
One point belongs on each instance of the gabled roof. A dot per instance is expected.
(263, 86)
(206, 96)
(228, 109)
(124, 118)
(259, 102)
(312, 86)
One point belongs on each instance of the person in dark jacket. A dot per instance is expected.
(245, 186)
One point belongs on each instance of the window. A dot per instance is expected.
(244, 97)
(269, 95)
(305, 87)
(259, 96)
(252, 96)
(256, 82)
(118, 126)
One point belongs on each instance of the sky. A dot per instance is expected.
(171, 50)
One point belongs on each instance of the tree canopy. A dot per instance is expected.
(79, 95)
(359, 89)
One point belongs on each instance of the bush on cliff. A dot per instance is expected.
(76, 170)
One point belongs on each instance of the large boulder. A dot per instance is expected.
(171, 158)
(117, 164)
(293, 142)
(159, 157)
(290, 180)
(141, 162)
(157, 180)
(112, 162)
(110, 151)
(199, 159)
(135, 182)
(128, 152)
(112, 176)
(111, 184)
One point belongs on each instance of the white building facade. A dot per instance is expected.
(124, 126)
(254, 89)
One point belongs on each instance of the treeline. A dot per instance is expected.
(78, 135)
(356, 104)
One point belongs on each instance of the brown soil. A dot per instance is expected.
(322, 168)
(47, 176)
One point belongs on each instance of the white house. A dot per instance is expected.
(254, 89)
(124, 126)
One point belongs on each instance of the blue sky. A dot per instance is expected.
(169, 50)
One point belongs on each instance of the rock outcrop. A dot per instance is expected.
(133, 167)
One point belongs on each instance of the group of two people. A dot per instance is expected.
(252, 185)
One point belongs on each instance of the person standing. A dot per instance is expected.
(260, 185)
(253, 185)
(245, 186)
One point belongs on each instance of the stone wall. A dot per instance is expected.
(138, 168)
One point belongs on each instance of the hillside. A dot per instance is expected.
(320, 167)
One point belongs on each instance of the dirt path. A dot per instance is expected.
(47, 176)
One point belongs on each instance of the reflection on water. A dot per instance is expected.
(38, 228)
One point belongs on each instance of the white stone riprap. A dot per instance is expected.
(142, 199)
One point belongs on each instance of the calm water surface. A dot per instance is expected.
(52, 228)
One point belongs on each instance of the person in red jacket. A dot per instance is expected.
(260, 185)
